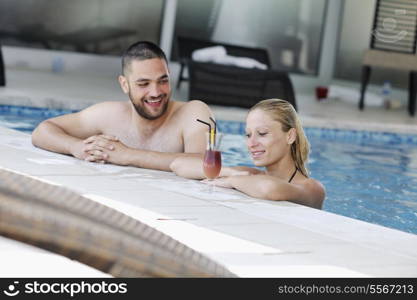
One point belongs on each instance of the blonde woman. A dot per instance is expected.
(276, 141)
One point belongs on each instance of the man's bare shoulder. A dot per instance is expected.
(193, 106)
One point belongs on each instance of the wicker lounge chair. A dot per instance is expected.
(62, 221)
(186, 46)
(234, 86)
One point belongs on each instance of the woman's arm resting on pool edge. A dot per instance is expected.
(188, 167)
(192, 168)
(310, 192)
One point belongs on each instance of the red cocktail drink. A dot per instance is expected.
(212, 163)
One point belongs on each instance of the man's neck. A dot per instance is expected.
(145, 127)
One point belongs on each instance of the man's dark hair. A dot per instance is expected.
(141, 50)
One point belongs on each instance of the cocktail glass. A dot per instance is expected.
(212, 163)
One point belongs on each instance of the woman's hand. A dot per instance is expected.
(222, 182)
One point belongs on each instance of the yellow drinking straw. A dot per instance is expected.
(213, 132)
(212, 138)
(210, 131)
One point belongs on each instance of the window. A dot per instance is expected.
(291, 30)
(93, 26)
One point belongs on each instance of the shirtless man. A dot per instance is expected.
(149, 131)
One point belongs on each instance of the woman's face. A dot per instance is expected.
(267, 143)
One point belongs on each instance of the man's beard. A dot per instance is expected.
(141, 110)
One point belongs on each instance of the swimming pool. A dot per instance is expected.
(370, 176)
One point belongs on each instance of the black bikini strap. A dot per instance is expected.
(293, 174)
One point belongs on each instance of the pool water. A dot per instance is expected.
(26, 118)
(372, 182)
(368, 176)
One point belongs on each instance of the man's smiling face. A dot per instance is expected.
(148, 87)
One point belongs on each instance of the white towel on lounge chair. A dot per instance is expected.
(218, 55)
(209, 54)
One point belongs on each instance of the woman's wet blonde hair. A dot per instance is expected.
(283, 112)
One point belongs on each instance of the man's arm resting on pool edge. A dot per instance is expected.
(52, 137)
(66, 134)
(193, 137)
(49, 136)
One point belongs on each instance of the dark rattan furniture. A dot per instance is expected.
(186, 46)
(234, 86)
(62, 221)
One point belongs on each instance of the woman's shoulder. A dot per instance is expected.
(315, 189)
(314, 183)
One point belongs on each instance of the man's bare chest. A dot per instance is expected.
(163, 141)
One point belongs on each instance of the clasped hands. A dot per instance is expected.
(103, 149)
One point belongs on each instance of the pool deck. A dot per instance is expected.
(251, 237)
